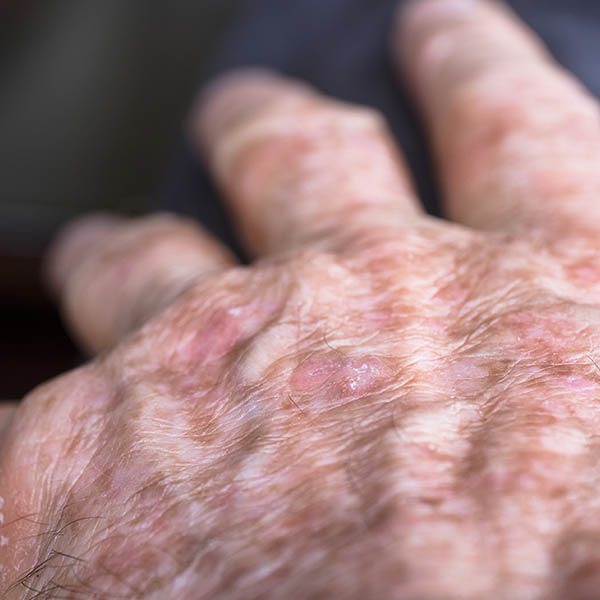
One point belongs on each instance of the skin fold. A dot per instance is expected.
(383, 404)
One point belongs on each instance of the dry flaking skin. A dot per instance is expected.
(383, 405)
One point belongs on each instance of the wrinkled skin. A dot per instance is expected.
(383, 405)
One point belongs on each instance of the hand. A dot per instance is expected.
(384, 405)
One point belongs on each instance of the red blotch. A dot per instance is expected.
(583, 273)
(216, 339)
(340, 377)
(224, 330)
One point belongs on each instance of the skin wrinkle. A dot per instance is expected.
(384, 406)
(354, 484)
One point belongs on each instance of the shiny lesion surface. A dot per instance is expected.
(328, 426)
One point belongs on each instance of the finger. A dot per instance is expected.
(7, 410)
(298, 168)
(517, 139)
(112, 274)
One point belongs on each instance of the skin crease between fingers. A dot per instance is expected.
(407, 409)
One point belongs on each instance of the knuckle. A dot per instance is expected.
(308, 264)
(313, 116)
(296, 126)
(352, 117)
(207, 324)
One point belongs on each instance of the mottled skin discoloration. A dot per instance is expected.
(383, 405)
(470, 445)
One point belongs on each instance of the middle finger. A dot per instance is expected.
(299, 169)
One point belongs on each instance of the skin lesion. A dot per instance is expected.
(348, 442)
(335, 377)
(548, 331)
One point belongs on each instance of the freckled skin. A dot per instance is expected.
(376, 441)
(383, 405)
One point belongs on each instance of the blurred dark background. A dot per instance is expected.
(92, 99)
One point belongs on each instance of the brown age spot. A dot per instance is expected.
(545, 332)
(577, 561)
(571, 390)
(466, 376)
(336, 378)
